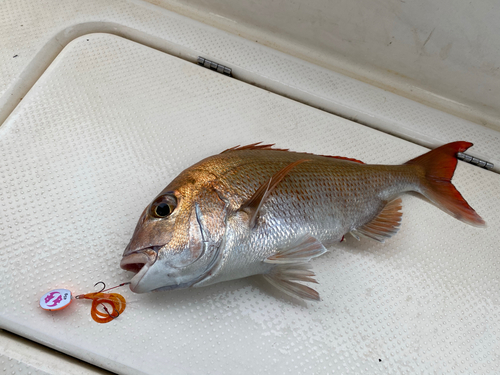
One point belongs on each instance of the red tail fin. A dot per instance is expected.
(438, 169)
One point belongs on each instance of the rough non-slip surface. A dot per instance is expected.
(32, 33)
(111, 122)
(20, 356)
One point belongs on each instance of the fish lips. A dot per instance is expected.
(140, 262)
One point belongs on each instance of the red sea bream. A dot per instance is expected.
(257, 210)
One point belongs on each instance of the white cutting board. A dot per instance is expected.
(111, 122)
(448, 283)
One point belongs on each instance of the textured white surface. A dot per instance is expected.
(111, 122)
(33, 34)
(24, 357)
(441, 52)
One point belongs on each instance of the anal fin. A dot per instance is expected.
(385, 225)
(291, 266)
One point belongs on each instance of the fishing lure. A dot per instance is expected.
(59, 299)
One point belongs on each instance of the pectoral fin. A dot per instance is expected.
(254, 204)
(384, 225)
(291, 267)
(301, 251)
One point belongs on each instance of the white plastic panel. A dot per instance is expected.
(444, 53)
(34, 34)
(111, 122)
(24, 357)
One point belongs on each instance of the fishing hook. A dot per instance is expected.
(107, 311)
(103, 286)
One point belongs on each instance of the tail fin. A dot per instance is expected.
(438, 168)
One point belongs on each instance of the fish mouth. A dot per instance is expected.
(139, 262)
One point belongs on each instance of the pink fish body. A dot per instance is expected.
(258, 210)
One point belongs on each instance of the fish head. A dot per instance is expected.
(176, 239)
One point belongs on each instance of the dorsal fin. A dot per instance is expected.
(384, 225)
(255, 146)
(344, 158)
(269, 147)
(253, 205)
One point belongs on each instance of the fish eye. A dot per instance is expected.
(162, 210)
(163, 206)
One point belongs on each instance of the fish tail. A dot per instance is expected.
(436, 170)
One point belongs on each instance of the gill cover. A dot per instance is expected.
(179, 249)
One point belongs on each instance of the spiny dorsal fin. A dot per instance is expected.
(344, 158)
(385, 225)
(255, 146)
(303, 250)
(258, 146)
(253, 205)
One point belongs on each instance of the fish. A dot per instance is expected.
(261, 210)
